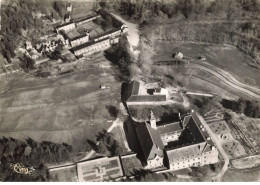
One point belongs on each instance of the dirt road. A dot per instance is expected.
(228, 79)
(220, 149)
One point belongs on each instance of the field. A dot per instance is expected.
(64, 175)
(226, 57)
(68, 108)
(241, 176)
(119, 135)
(250, 128)
(192, 78)
(130, 164)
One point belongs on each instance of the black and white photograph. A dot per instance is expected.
(130, 91)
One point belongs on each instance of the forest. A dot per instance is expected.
(16, 17)
(31, 154)
(248, 107)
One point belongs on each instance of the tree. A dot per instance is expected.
(101, 148)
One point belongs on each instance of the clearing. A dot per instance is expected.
(68, 108)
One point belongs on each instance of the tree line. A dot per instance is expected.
(31, 153)
(248, 107)
(16, 16)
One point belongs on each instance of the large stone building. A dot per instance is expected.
(194, 146)
(87, 19)
(152, 147)
(66, 27)
(83, 45)
(185, 143)
(79, 40)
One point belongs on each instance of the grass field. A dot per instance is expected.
(226, 57)
(69, 108)
(243, 176)
(130, 164)
(64, 175)
(119, 136)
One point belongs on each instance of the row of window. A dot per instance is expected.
(97, 47)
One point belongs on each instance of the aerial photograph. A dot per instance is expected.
(130, 91)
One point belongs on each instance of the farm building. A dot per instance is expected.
(136, 94)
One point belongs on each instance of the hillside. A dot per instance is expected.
(26, 20)
(215, 21)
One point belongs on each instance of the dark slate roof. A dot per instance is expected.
(170, 128)
(132, 94)
(78, 37)
(65, 24)
(147, 98)
(149, 139)
(86, 18)
(132, 89)
(106, 33)
(192, 133)
(203, 132)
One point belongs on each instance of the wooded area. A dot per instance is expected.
(31, 154)
(248, 107)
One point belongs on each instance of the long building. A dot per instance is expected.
(83, 45)
(134, 96)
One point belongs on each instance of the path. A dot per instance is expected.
(228, 79)
(220, 149)
(114, 124)
(133, 31)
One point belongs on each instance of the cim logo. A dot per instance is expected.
(18, 168)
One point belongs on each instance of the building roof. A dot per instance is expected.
(193, 141)
(150, 141)
(106, 33)
(147, 98)
(182, 153)
(193, 133)
(170, 128)
(78, 37)
(86, 18)
(132, 89)
(132, 94)
(84, 45)
(65, 24)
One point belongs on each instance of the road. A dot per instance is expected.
(220, 149)
(133, 31)
(228, 79)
